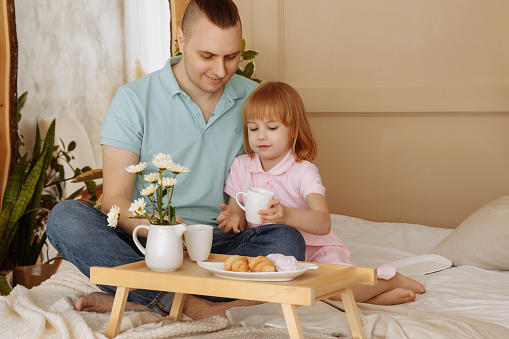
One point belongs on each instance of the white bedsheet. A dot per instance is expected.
(463, 291)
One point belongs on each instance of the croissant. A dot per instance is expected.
(236, 263)
(261, 264)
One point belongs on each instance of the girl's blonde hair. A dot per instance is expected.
(280, 102)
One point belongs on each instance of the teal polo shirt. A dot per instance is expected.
(154, 115)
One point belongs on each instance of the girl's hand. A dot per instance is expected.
(276, 214)
(228, 220)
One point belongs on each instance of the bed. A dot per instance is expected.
(465, 300)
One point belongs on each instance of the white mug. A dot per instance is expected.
(255, 199)
(198, 240)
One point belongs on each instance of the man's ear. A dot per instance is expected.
(180, 38)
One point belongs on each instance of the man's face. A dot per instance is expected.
(211, 55)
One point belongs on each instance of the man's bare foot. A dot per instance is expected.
(393, 297)
(103, 303)
(198, 308)
(405, 282)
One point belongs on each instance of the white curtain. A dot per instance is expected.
(147, 36)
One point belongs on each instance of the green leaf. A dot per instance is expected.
(36, 250)
(72, 146)
(240, 72)
(25, 195)
(249, 70)
(250, 55)
(15, 182)
(75, 193)
(5, 288)
(36, 152)
(4, 219)
(91, 185)
(21, 102)
(243, 44)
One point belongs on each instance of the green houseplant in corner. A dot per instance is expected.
(33, 188)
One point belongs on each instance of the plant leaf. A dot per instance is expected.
(21, 102)
(75, 194)
(5, 288)
(240, 72)
(250, 55)
(4, 219)
(15, 183)
(249, 70)
(25, 195)
(89, 175)
(244, 43)
(36, 249)
(72, 146)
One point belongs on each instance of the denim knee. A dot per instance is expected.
(290, 240)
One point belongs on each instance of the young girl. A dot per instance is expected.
(279, 145)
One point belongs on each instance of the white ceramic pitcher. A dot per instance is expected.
(164, 252)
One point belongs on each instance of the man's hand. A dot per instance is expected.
(275, 214)
(228, 220)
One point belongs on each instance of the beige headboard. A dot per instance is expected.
(409, 100)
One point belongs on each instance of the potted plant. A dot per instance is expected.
(33, 188)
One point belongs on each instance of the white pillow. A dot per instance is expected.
(481, 240)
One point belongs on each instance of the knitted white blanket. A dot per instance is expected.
(47, 311)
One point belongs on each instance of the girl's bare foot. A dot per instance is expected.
(102, 303)
(393, 297)
(405, 282)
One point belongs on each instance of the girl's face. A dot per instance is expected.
(270, 139)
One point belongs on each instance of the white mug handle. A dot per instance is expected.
(237, 199)
(135, 238)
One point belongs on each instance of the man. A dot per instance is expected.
(190, 109)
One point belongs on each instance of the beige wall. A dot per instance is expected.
(409, 100)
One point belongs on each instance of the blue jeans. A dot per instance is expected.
(80, 233)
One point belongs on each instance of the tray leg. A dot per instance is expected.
(117, 311)
(292, 321)
(176, 307)
(352, 314)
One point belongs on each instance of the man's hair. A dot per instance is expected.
(279, 101)
(222, 13)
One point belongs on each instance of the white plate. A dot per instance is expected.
(218, 269)
(422, 264)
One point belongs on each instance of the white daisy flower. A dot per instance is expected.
(152, 177)
(136, 169)
(178, 168)
(168, 182)
(113, 216)
(150, 190)
(138, 207)
(162, 161)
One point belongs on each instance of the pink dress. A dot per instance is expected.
(291, 182)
